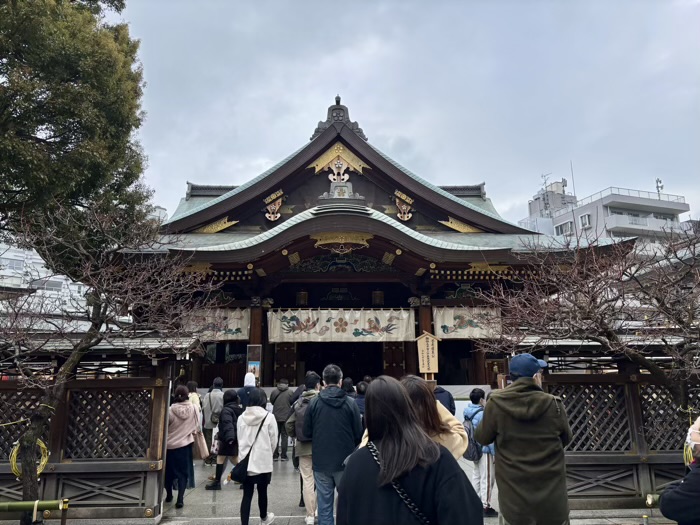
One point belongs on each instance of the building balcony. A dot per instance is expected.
(637, 200)
(626, 224)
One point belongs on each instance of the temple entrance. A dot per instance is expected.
(455, 358)
(356, 360)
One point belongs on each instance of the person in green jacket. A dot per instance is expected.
(530, 429)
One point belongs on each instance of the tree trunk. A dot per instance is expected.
(29, 449)
(39, 426)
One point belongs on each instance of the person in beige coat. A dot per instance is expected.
(439, 423)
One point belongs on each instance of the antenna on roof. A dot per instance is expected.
(573, 181)
(545, 195)
(659, 187)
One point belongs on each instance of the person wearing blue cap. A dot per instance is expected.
(530, 429)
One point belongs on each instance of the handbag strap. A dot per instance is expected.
(256, 435)
(399, 489)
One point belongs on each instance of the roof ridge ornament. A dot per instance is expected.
(338, 113)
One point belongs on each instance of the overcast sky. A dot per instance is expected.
(459, 92)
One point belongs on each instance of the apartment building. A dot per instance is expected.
(612, 212)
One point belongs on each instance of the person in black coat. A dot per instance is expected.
(332, 422)
(226, 437)
(681, 502)
(446, 398)
(400, 451)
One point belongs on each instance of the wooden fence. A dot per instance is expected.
(107, 442)
(107, 445)
(628, 438)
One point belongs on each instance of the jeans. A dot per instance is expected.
(326, 483)
(282, 431)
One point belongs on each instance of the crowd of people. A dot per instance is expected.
(390, 449)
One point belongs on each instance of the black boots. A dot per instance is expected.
(216, 484)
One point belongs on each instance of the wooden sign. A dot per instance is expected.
(427, 353)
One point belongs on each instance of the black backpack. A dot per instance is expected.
(474, 451)
(300, 407)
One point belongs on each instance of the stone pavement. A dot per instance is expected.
(203, 507)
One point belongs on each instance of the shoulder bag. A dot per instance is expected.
(200, 450)
(240, 471)
(399, 489)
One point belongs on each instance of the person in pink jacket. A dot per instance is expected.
(183, 421)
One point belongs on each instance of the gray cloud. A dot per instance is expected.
(459, 92)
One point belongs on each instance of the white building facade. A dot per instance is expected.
(612, 212)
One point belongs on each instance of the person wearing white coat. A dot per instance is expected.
(260, 463)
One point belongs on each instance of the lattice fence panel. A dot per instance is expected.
(597, 416)
(15, 405)
(664, 427)
(106, 424)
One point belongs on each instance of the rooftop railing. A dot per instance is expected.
(620, 191)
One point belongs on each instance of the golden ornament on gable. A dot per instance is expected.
(403, 205)
(333, 155)
(460, 226)
(216, 226)
(273, 204)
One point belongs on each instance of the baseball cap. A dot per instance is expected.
(526, 365)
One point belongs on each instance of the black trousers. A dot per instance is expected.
(177, 467)
(261, 481)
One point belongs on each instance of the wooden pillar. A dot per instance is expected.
(257, 338)
(479, 358)
(411, 357)
(425, 324)
(425, 316)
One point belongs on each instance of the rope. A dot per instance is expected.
(399, 490)
(688, 457)
(17, 471)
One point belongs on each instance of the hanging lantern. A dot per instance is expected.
(302, 298)
(377, 298)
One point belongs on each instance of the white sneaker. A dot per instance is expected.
(270, 518)
(309, 520)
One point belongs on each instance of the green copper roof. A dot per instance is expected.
(220, 242)
(483, 210)
(182, 212)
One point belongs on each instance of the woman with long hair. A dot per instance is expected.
(402, 476)
(184, 419)
(437, 421)
(257, 435)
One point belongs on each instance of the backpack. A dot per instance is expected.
(474, 451)
(300, 408)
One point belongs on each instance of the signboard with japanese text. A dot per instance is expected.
(427, 353)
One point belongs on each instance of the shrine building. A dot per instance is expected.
(338, 254)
